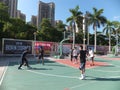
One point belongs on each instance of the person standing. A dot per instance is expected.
(71, 54)
(41, 55)
(75, 55)
(24, 59)
(91, 55)
(82, 55)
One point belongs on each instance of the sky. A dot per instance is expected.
(111, 8)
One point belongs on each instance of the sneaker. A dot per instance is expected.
(19, 68)
(81, 78)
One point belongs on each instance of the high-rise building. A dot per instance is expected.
(34, 20)
(12, 7)
(21, 15)
(46, 10)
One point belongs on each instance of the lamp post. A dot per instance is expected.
(116, 50)
(64, 33)
(73, 28)
(35, 33)
(35, 36)
(84, 32)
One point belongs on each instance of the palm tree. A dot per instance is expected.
(116, 26)
(101, 38)
(117, 31)
(96, 19)
(109, 29)
(75, 19)
(87, 26)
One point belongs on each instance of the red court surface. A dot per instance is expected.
(71, 64)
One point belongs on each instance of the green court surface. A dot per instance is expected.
(55, 76)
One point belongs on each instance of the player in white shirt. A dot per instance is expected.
(91, 55)
(75, 55)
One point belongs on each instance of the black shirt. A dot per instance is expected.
(24, 54)
(83, 55)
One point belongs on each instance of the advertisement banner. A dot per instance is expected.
(47, 46)
(12, 46)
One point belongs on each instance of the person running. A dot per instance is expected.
(24, 59)
(82, 55)
(91, 55)
(41, 55)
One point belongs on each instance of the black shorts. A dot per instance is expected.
(40, 56)
(75, 57)
(82, 66)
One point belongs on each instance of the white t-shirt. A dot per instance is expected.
(74, 52)
(91, 53)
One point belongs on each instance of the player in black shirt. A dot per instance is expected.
(82, 54)
(41, 55)
(24, 59)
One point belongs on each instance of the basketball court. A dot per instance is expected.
(58, 74)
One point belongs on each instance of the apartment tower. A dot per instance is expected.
(46, 10)
(12, 7)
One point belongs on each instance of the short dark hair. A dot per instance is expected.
(81, 46)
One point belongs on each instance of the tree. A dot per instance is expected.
(18, 29)
(14, 27)
(75, 20)
(117, 33)
(101, 39)
(29, 31)
(96, 19)
(108, 30)
(48, 33)
(61, 27)
(4, 16)
(117, 28)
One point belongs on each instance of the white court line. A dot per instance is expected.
(1, 80)
(52, 75)
(84, 84)
(115, 71)
(115, 65)
(76, 86)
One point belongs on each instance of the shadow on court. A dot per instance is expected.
(47, 62)
(102, 78)
(33, 68)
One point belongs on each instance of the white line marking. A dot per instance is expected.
(52, 75)
(115, 65)
(108, 70)
(1, 80)
(84, 84)
(76, 86)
